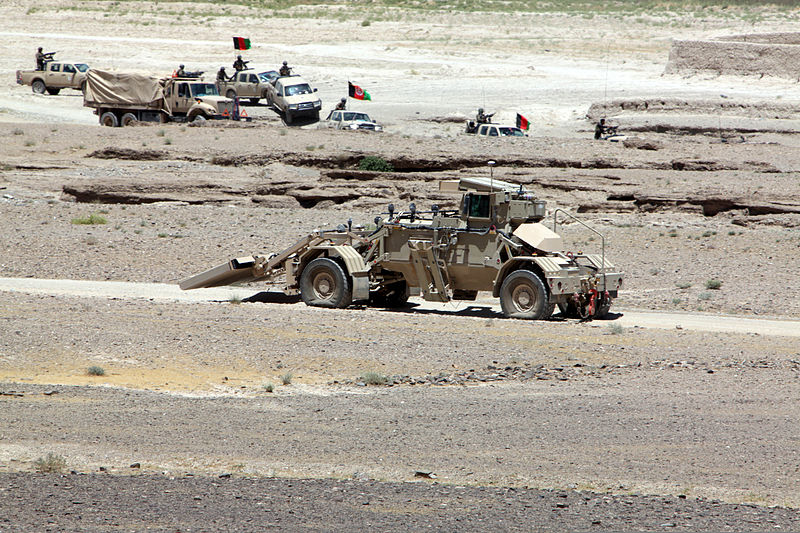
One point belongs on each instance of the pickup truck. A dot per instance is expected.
(56, 75)
(294, 97)
(248, 84)
(122, 99)
(350, 120)
(498, 130)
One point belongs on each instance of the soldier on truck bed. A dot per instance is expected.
(180, 73)
(42, 58)
(239, 64)
(285, 69)
(342, 104)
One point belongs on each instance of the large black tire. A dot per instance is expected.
(109, 119)
(231, 94)
(128, 119)
(523, 295)
(254, 101)
(392, 296)
(324, 283)
(52, 91)
(268, 96)
(289, 117)
(38, 87)
(316, 115)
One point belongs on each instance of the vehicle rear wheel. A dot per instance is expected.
(109, 119)
(523, 295)
(53, 91)
(231, 94)
(324, 284)
(254, 101)
(128, 119)
(38, 86)
(268, 96)
(392, 295)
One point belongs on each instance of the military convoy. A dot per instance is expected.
(122, 99)
(56, 75)
(495, 242)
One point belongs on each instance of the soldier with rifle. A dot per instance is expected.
(285, 70)
(239, 64)
(483, 118)
(42, 58)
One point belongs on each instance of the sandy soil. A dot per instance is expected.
(702, 191)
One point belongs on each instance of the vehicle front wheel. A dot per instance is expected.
(38, 87)
(254, 101)
(324, 284)
(109, 119)
(523, 295)
(53, 91)
(289, 116)
(128, 119)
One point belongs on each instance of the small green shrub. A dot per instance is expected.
(90, 220)
(50, 464)
(375, 164)
(286, 379)
(269, 387)
(683, 284)
(713, 284)
(167, 141)
(704, 296)
(161, 133)
(365, 22)
(374, 378)
(235, 299)
(17, 131)
(616, 329)
(96, 371)
(676, 301)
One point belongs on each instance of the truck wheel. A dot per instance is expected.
(289, 116)
(393, 295)
(316, 115)
(199, 118)
(523, 295)
(254, 101)
(38, 86)
(231, 94)
(324, 284)
(268, 96)
(109, 119)
(53, 91)
(128, 119)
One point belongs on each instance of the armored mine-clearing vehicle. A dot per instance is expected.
(495, 242)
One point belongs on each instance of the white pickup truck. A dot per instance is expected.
(56, 75)
(294, 97)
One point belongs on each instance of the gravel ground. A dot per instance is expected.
(550, 426)
(97, 502)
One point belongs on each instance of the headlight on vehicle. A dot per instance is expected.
(293, 106)
(378, 128)
(353, 126)
(318, 103)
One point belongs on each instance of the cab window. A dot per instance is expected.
(475, 206)
(243, 78)
(69, 68)
(183, 90)
(483, 130)
(253, 78)
(55, 67)
(492, 132)
(337, 116)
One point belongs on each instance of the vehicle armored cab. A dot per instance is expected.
(494, 242)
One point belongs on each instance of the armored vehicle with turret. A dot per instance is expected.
(495, 241)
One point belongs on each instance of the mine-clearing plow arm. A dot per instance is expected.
(251, 268)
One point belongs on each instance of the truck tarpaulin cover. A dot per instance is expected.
(119, 90)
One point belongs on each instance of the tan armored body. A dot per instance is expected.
(495, 242)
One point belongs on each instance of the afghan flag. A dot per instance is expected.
(522, 122)
(240, 43)
(354, 91)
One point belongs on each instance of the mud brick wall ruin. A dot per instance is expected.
(765, 54)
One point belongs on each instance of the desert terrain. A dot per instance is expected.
(241, 409)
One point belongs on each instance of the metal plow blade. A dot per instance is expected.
(236, 270)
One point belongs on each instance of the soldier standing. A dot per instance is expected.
(180, 72)
(342, 105)
(42, 58)
(222, 77)
(239, 64)
(285, 70)
(483, 118)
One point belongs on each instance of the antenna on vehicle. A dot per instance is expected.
(491, 164)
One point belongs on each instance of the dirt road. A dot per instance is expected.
(483, 306)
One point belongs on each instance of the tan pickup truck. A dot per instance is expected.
(56, 75)
(294, 97)
(248, 84)
(121, 99)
